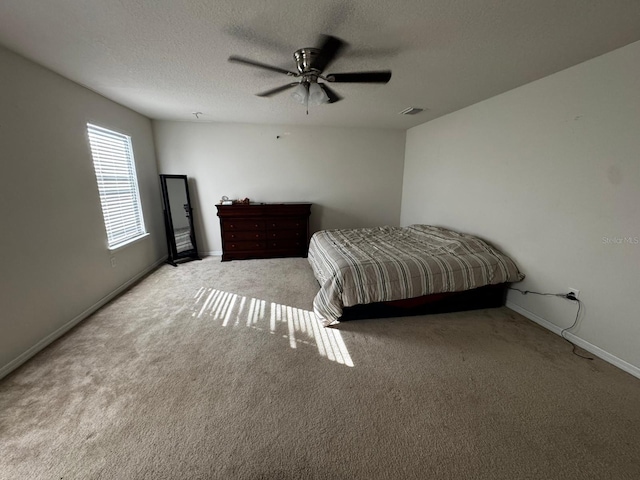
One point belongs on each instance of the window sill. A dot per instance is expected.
(120, 246)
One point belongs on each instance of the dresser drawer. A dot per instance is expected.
(236, 236)
(286, 224)
(287, 234)
(286, 244)
(242, 225)
(244, 246)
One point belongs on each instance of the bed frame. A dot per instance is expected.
(490, 296)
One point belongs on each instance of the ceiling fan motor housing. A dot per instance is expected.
(304, 58)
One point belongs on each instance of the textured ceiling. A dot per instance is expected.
(168, 58)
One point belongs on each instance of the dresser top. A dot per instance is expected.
(252, 204)
(264, 209)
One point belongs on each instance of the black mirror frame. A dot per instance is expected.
(168, 223)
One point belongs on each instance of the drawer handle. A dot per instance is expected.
(233, 245)
(256, 225)
(231, 225)
(233, 236)
(257, 235)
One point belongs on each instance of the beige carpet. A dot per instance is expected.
(218, 370)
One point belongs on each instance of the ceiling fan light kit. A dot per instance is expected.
(317, 95)
(301, 93)
(308, 93)
(310, 65)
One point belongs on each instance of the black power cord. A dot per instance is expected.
(569, 296)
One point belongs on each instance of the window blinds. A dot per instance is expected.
(117, 183)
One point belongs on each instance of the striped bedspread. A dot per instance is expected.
(380, 264)
(183, 239)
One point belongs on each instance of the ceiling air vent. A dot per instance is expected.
(411, 111)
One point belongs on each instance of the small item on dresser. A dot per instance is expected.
(225, 201)
(244, 201)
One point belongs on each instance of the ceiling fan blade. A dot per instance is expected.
(273, 91)
(253, 63)
(361, 77)
(333, 96)
(329, 50)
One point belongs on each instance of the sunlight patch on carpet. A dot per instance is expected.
(301, 326)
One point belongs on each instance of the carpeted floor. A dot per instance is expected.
(219, 370)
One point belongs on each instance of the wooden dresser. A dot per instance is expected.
(264, 230)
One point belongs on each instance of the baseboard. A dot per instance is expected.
(589, 347)
(215, 253)
(16, 362)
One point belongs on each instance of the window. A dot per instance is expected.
(118, 186)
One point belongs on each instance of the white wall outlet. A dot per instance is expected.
(113, 262)
(575, 292)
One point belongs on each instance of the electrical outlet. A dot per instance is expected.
(113, 262)
(576, 293)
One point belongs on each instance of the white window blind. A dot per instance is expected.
(117, 183)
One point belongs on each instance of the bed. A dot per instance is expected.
(382, 265)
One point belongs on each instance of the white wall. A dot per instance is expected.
(353, 177)
(55, 262)
(546, 171)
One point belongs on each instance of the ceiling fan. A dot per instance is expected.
(310, 65)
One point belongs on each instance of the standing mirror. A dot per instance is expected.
(178, 218)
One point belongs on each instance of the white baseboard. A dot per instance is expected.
(589, 347)
(215, 253)
(16, 362)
